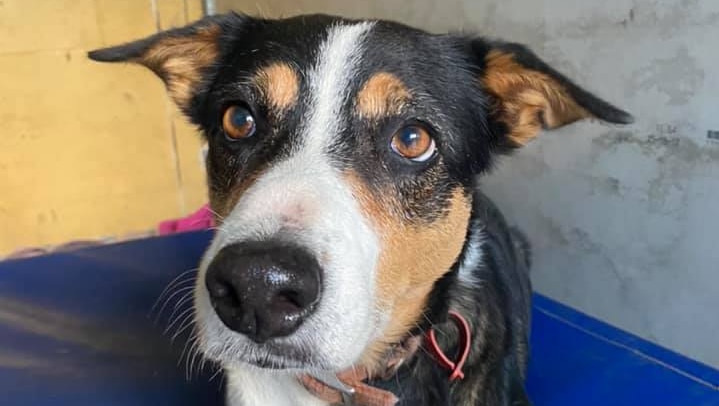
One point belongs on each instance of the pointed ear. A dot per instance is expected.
(180, 57)
(528, 95)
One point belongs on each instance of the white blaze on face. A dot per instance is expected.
(305, 199)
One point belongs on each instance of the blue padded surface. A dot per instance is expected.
(77, 329)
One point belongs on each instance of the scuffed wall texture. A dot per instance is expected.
(624, 221)
(88, 150)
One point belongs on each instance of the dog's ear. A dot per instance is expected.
(527, 95)
(179, 56)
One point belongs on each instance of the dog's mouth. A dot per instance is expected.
(279, 365)
(278, 357)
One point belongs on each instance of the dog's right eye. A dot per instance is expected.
(238, 123)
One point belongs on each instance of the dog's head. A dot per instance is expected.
(341, 160)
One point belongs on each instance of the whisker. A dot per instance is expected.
(180, 287)
(190, 360)
(421, 347)
(432, 325)
(203, 364)
(190, 322)
(184, 300)
(219, 370)
(195, 354)
(169, 286)
(184, 315)
(193, 337)
(216, 214)
(169, 298)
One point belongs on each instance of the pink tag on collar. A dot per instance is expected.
(465, 340)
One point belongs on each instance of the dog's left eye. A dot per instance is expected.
(238, 123)
(414, 143)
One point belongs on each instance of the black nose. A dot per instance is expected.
(263, 289)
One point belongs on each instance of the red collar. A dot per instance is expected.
(348, 387)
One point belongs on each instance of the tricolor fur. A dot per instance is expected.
(398, 242)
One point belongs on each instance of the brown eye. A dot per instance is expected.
(414, 142)
(238, 123)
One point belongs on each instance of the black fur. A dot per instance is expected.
(443, 73)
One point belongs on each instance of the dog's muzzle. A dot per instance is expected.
(263, 289)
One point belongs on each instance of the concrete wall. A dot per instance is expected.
(625, 221)
(88, 150)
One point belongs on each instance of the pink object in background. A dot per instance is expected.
(202, 219)
(199, 220)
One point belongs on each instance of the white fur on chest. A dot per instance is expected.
(256, 387)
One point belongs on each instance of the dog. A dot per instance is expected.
(354, 249)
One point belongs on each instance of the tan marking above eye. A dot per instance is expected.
(279, 85)
(382, 95)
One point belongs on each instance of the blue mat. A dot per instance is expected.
(78, 329)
